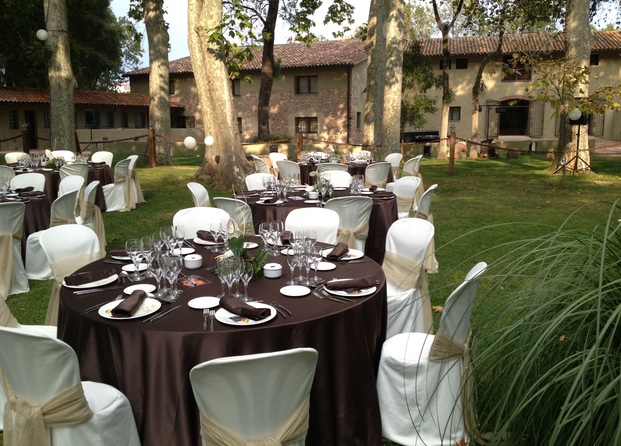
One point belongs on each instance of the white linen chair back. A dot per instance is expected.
(34, 179)
(339, 178)
(324, 221)
(90, 214)
(288, 168)
(63, 209)
(329, 167)
(13, 279)
(102, 156)
(260, 165)
(119, 196)
(198, 218)
(200, 194)
(376, 174)
(254, 181)
(412, 165)
(6, 173)
(70, 183)
(354, 214)
(67, 155)
(80, 169)
(38, 368)
(138, 197)
(276, 156)
(14, 157)
(405, 189)
(424, 204)
(239, 211)
(395, 161)
(254, 396)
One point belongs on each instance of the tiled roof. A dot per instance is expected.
(81, 97)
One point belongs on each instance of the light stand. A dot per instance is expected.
(575, 118)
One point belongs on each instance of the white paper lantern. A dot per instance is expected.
(209, 140)
(575, 114)
(42, 34)
(189, 142)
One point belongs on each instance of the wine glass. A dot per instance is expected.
(277, 228)
(167, 237)
(172, 273)
(214, 230)
(158, 270)
(264, 233)
(134, 251)
(178, 233)
(147, 253)
(221, 267)
(292, 261)
(246, 275)
(224, 233)
(227, 269)
(316, 254)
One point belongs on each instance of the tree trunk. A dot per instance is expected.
(225, 160)
(443, 149)
(159, 107)
(267, 69)
(60, 73)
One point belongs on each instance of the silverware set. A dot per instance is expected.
(94, 290)
(320, 293)
(98, 306)
(281, 310)
(158, 316)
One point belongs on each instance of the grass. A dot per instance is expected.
(480, 211)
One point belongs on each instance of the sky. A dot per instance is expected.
(176, 16)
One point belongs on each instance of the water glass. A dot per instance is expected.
(246, 275)
(174, 264)
(158, 270)
(148, 251)
(134, 251)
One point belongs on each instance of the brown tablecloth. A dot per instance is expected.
(150, 362)
(383, 214)
(36, 218)
(352, 168)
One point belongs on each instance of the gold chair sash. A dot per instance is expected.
(90, 212)
(6, 317)
(58, 221)
(130, 203)
(349, 235)
(247, 228)
(405, 204)
(61, 269)
(430, 255)
(139, 196)
(369, 183)
(6, 261)
(26, 425)
(214, 434)
(409, 274)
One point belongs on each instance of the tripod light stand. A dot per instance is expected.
(575, 118)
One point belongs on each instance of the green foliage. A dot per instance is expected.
(269, 138)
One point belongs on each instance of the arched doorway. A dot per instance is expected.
(513, 119)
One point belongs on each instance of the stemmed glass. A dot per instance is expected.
(264, 233)
(167, 237)
(224, 233)
(316, 254)
(178, 234)
(292, 261)
(221, 266)
(214, 229)
(247, 272)
(276, 228)
(158, 270)
(172, 273)
(134, 250)
(323, 188)
(147, 253)
(227, 268)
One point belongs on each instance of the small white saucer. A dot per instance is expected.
(200, 303)
(295, 290)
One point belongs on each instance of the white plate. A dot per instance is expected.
(200, 241)
(339, 188)
(131, 269)
(366, 193)
(102, 282)
(184, 251)
(228, 318)
(295, 290)
(287, 252)
(146, 287)
(270, 204)
(250, 245)
(126, 258)
(358, 293)
(312, 201)
(12, 195)
(325, 266)
(148, 306)
(352, 254)
(200, 303)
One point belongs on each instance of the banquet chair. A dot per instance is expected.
(339, 178)
(14, 157)
(324, 221)
(395, 161)
(288, 168)
(200, 194)
(67, 248)
(103, 156)
(376, 174)
(405, 189)
(422, 397)
(354, 214)
(411, 166)
(34, 179)
(90, 214)
(62, 213)
(138, 196)
(67, 155)
(239, 211)
(41, 371)
(329, 167)
(198, 218)
(119, 195)
(260, 398)
(274, 157)
(80, 169)
(69, 184)
(408, 302)
(260, 165)
(254, 181)
(423, 210)
(13, 279)
(6, 173)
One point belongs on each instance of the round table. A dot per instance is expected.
(36, 217)
(352, 168)
(150, 362)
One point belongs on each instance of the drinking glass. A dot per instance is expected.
(178, 233)
(292, 262)
(277, 228)
(316, 254)
(224, 233)
(222, 265)
(214, 229)
(246, 275)
(167, 237)
(134, 251)
(227, 268)
(172, 273)
(147, 253)
(238, 270)
(264, 233)
(158, 269)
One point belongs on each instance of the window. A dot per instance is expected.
(454, 113)
(47, 119)
(92, 119)
(461, 64)
(124, 120)
(190, 122)
(306, 125)
(358, 120)
(306, 84)
(110, 120)
(236, 85)
(140, 120)
(239, 125)
(13, 120)
(514, 70)
(594, 59)
(171, 87)
(442, 64)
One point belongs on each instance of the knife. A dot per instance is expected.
(160, 315)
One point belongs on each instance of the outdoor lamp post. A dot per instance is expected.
(189, 142)
(42, 35)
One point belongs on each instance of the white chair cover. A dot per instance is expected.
(67, 248)
(62, 213)
(70, 183)
(80, 169)
(239, 211)
(257, 399)
(354, 214)
(329, 167)
(254, 181)
(405, 189)
(14, 157)
(34, 179)
(119, 195)
(423, 211)
(90, 215)
(138, 196)
(339, 178)
(200, 194)
(419, 381)
(67, 155)
(409, 305)
(102, 156)
(412, 165)
(260, 165)
(288, 168)
(395, 161)
(43, 380)
(274, 157)
(6, 173)
(197, 219)
(376, 174)
(324, 221)
(13, 279)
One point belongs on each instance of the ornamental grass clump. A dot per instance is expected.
(547, 361)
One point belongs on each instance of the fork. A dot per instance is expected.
(212, 316)
(321, 296)
(205, 317)
(98, 306)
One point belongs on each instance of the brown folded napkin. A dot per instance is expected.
(89, 276)
(338, 251)
(33, 193)
(285, 237)
(20, 190)
(129, 305)
(351, 284)
(241, 308)
(205, 235)
(382, 194)
(270, 200)
(373, 188)
(118, 252)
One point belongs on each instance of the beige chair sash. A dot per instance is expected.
(409, 274)
(90, 212)
(139, 196)
(430, 255)
(214, 434)
(405, 204)
(58, 221)
(6, 261)
(6, 317)
(26, 425)
(369, 183)
(349, 235)
(247, 228)
(61, 269)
